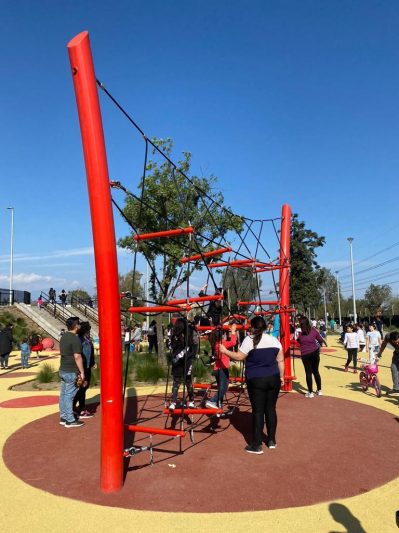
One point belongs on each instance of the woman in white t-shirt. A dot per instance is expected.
(264, 373)
(351, 342)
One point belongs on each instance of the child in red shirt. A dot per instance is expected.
(222, 363)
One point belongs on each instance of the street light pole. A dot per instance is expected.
(350, 240)
(11, 209)
(339, 299)
(325, 306)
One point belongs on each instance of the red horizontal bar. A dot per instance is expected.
(268, 269)
(199, 411)
(196, 299)
(155, 431)
(166, 233)
(275, 312)
(261, 302)
(237, 379)
(159, 309)
(204, 386)
(225, 327)
(206, 254)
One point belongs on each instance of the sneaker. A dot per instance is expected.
(271, 444)
(253, 449)
(346, 369)
(6, 367)
(86, 414)
(62, 421)
(319, 393)
(75, 424)
(355, 371)
(172, 406)
(309, 395)
(191, 405)
(211, 405)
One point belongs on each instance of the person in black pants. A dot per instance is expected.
(264, 372)
(310, 341)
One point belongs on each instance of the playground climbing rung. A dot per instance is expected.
(188, 411)
(166, 233)
(159, 309)
(155, 431)
(197, 257)
(261, 302)
(196, 299)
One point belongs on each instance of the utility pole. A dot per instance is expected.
(350, 240)
(339, 299)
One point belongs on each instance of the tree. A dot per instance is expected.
(171, 201)
(136, 289)
(304, 282)
(377, 297)
(240, 284)
(80, 294)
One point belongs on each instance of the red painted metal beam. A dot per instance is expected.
(238, 379)
(261, 302)
(197, 257)
(204, 386)
(159, 309)
(166, 233)
(84, 80)
(225, 327)
(192, 411)
(274, 312)
(284, 289)
(196, 299)
(155, 431)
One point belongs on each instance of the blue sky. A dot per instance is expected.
(284, 101)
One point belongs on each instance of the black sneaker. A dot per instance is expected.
(62, 421)
(75, 424)
(253, 449)
(271, 444)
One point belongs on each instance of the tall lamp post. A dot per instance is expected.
(350, 240)
(339, 299)
(11, 209)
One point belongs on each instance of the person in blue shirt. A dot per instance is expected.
(264, 373)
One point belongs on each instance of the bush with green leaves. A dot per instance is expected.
(149, 369)
(47, 374)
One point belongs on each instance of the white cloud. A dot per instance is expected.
(34, 282)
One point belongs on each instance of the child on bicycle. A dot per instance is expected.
(373, 343)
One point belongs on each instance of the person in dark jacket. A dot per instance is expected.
(79, 402)
(215, 308)
(6, 341)
(182, 360)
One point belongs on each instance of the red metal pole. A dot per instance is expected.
(197, 257)
(166, 233)
(284, 287)
(84, 81)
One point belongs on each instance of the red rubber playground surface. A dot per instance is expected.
(317, 439)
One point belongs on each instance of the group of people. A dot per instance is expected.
(139, 333)
(77, 361)
(264, 371)
(52, 298)
(27, 345)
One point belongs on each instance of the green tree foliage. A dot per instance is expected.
(378, 297)
(136, 289)
(171, 202)
(80, 294)
(304, 268)
(240, 284)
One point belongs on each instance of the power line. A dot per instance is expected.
(371, 256)
(380, 276)
(375, 266)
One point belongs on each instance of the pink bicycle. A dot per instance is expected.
(368, 378)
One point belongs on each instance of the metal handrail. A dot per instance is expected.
(84, 308)
(56, 310)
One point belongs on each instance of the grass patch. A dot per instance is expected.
(148, 369)
(200, 371)
(46, 374)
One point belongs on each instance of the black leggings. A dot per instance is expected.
(263, 393)
(79, 402)
(311, 363)
(178, 377)
(352, 355)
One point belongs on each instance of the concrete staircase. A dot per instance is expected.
(52, 319)
(50, 324)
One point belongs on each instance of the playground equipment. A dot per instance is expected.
(101, 201)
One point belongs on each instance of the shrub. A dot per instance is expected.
(235, 371)
(200, 371)
(148, 369)
(46, 374)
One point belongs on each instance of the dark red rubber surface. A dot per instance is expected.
(318, 458)
(30, 401)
